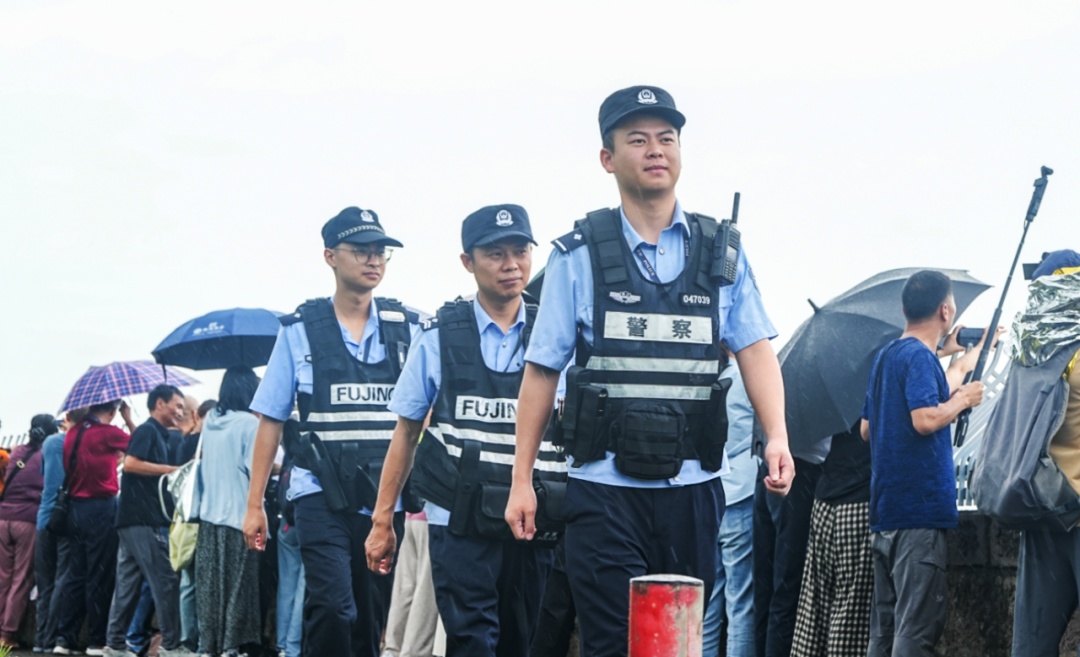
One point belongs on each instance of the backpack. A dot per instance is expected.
(1015, 480)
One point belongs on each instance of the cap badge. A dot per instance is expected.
(504, 218)
(367, 216)
(646, 97)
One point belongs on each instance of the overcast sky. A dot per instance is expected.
(161, 161)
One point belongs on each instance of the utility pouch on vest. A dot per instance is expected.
(647, 437)
(323, 469)
(710, 447)
(550, 515)
(583, 415)
(468, 489)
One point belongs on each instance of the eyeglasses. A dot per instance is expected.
(365, 256)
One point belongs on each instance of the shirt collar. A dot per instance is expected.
(370, 329)
(634, 240)
(483, 320)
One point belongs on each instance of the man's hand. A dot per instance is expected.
(521, 511)
(971, 393)
(379, 546)
(781, 467)
(255, 528)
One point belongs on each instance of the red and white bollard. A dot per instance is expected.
(666, 613)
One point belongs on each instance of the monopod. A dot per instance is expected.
(976, 374)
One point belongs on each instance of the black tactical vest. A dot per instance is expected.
(474, 414)
(345, 416)
(655, 354)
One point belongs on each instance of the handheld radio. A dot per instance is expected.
(726, 247)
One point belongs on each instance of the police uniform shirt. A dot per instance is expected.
(289, 372)
(566, 303)
(418, 386)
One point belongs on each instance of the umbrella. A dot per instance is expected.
(826, 364)
(114, 381)
(221, 339)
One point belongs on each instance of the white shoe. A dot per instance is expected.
(175, 652)
(113, 652)
(61, 650)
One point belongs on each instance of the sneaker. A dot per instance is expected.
(95, 651)
(64, 650)
(113, 652)
(178, 651)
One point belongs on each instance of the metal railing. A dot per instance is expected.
(994, 377)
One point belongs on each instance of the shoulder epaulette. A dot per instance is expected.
(569, 241)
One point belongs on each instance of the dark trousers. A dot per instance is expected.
(1047, 590)
(911, 600)
(50, 559)
(87, 585)
(557, 614)
(615, 533)
(347, 604)
(488, 592)
(781, 537)
(144, 554)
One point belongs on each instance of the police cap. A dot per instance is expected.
(631, 100)
(357, 227)
(493, 223)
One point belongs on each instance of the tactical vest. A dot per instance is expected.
(345, 419)
(653, 368)
(472, 428)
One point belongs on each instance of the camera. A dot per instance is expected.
(969, 337)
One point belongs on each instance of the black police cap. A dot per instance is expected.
(356, 226)
(652, 100)
(493, 223)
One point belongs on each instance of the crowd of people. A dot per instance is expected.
(486, 480)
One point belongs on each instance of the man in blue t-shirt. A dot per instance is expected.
(910, 403)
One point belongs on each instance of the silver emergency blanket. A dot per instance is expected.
(1051, 321)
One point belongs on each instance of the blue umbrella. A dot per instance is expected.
(221, 339)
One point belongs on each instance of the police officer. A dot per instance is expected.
(338, 360)
(466, 369)
(634, 291)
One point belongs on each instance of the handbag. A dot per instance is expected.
(184, 484)
(183, 537)
(58, 517)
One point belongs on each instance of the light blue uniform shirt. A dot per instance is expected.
(418, 386)
(740, 481)
(566, 303)
(289, 373)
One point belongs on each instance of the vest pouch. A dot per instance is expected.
(710, 445)
(647, 438)
(550, 501)
(583, 423)
(490, 518)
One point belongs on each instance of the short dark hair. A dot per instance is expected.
(238, 388)
(98, 409)
(607, 139)
(206, 407)
(163, 392)
(923, 294)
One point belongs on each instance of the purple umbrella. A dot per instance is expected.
(117, 380)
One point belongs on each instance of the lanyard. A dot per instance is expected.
(648, 265)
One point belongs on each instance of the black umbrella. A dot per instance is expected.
(826, 364)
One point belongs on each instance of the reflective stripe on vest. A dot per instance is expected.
(549, 460)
